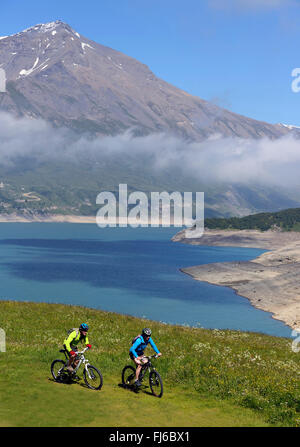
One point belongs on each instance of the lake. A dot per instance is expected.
(125, 270)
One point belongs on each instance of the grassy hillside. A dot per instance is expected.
(286, 220)
(70, 185)
(60, 187)
(211, 377)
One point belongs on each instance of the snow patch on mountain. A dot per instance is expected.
(43, 27)
(83, 45)
(25, 72)
(289, 126)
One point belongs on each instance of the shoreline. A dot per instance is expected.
(72, 218)
(133, 317)
(31, 218)
(242, 296)
(270, 281)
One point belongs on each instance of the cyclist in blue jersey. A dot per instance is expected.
(137, 349)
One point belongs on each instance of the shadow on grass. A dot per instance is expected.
(71, 381)
(135, 389)
(66, 381)
(131, 388)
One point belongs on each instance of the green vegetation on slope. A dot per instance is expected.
(211, 377)
(286, 220)
(69, 184)
(71, 187)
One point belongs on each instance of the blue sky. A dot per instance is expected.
(237, 53)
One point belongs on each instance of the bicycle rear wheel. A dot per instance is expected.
(93, 378)
(57, 369)
(156, 384)
(128, 375)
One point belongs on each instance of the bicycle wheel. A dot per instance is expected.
(93, 378)
(156, 385)
(57, 367)
(128, 375)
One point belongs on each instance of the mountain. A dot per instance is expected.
(57, 74)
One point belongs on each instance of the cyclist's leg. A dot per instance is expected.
(71, 361)
(137, 366)
(144, 362)
(75, 361)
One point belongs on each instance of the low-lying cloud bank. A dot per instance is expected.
(217, 159)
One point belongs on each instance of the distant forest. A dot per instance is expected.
(286, 220)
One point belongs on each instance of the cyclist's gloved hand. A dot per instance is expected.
(72, 353)
(89, 346)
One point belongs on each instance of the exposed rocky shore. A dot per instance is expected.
(271, 281)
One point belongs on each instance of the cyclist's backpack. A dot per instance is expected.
(135, 339)
(72, 330)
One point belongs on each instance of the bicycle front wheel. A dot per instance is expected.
(57, 367)
(128, 375)
(93, 378)
(156, 385)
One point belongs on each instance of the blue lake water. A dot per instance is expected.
(125, 270)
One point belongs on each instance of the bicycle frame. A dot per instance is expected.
(82, 359)
(147, 367)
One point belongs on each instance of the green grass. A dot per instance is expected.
(211, 378)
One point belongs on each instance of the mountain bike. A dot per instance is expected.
(92, 376)
(155, 380)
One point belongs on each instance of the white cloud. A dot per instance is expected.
(217, 159)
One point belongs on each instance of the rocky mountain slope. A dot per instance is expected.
(57, 74)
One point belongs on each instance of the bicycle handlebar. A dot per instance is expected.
(151, 356)
(82, 352)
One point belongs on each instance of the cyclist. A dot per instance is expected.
(136, 351)
(71, 342)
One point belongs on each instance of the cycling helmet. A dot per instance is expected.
(83, 327)
(146, 331)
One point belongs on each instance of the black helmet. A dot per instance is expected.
(146, 331)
